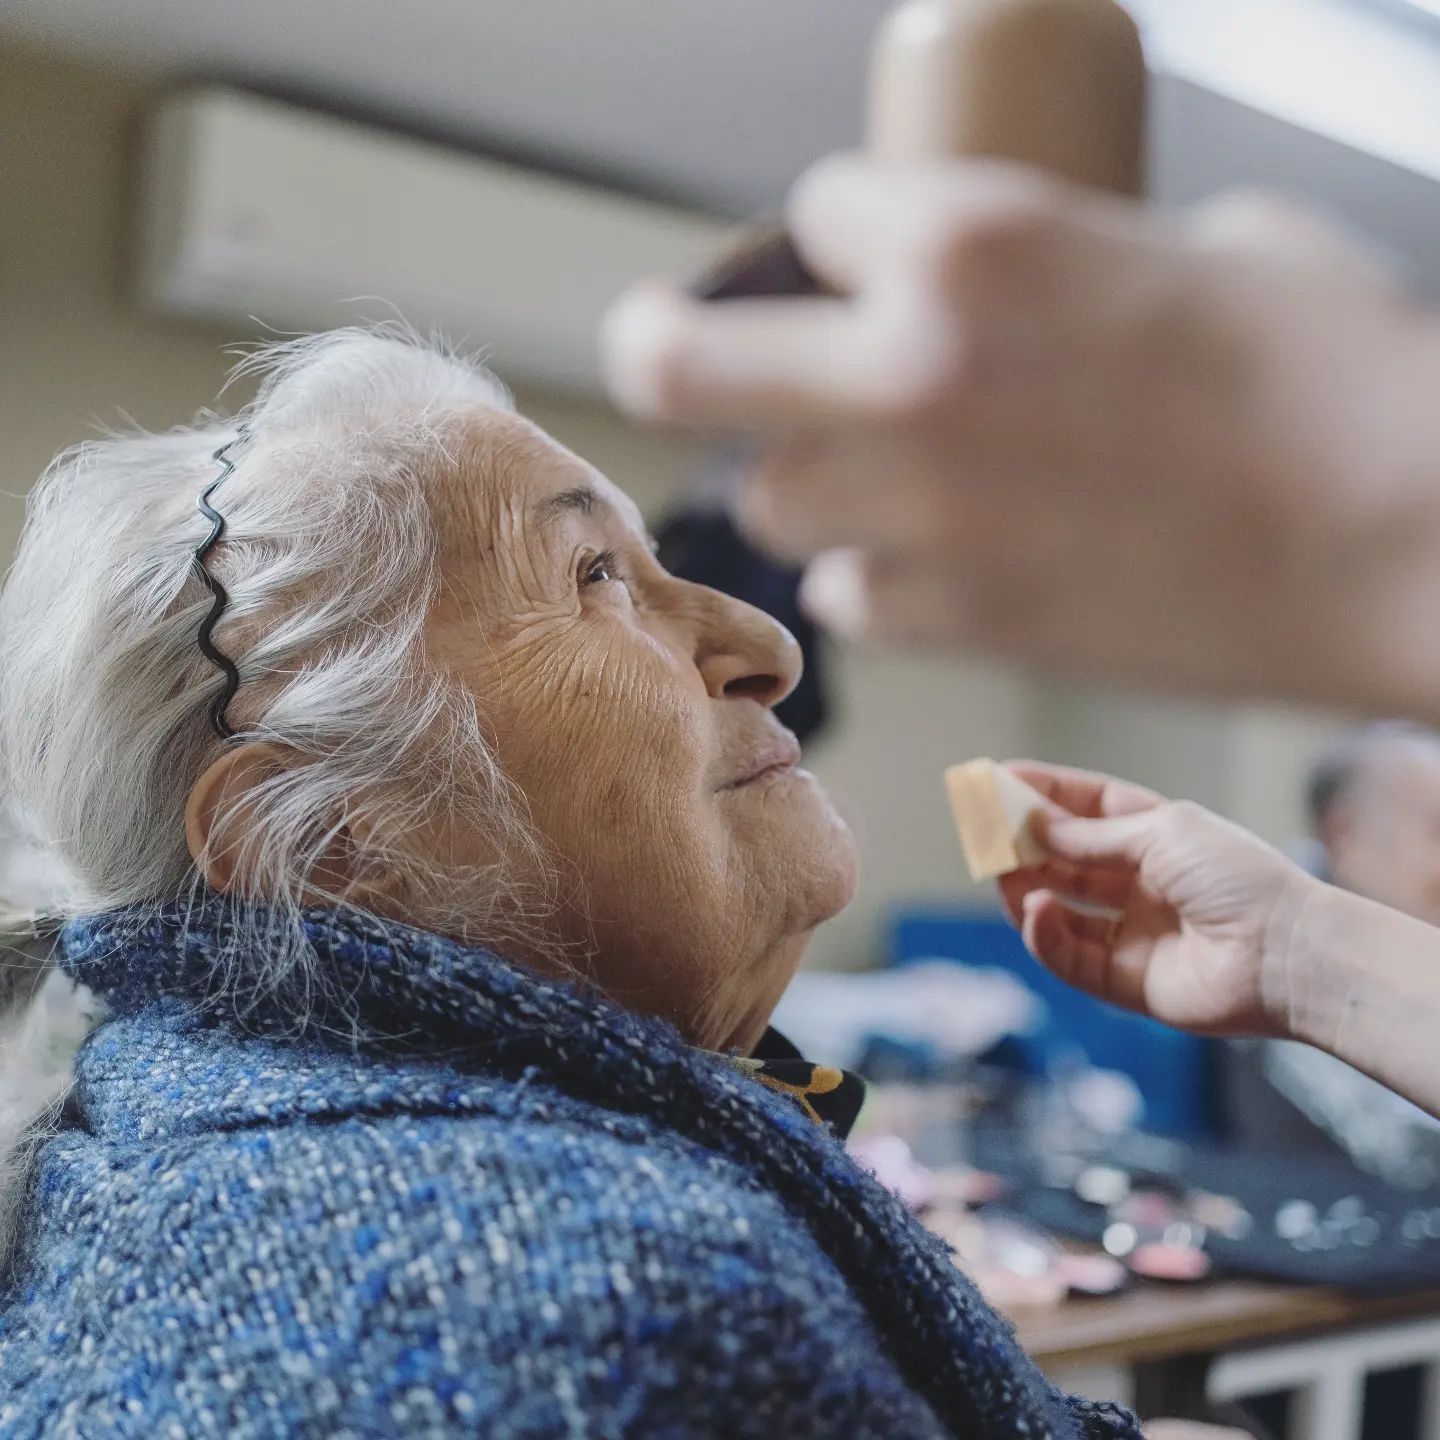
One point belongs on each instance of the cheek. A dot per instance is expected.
(601, 733)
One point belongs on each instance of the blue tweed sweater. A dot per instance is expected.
(525, 1214)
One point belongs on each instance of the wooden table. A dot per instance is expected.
(1163, 1347)
(1162, 1322)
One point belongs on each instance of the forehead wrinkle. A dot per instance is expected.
(479, 485)
(487, 511)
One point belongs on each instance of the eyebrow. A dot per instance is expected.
(581, 500)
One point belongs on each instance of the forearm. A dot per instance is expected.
(1362, 982)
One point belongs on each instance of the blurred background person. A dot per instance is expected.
(1373, 799)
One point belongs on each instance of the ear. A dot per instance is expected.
(221, 816)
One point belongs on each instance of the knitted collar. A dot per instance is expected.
(436, 999)
(404, 985)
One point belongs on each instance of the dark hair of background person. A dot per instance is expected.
(1335, 772)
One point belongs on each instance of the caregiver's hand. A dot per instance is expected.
(1206, 912)
(1218, 933)
(1201, 451)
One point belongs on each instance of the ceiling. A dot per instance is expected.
(720, 104)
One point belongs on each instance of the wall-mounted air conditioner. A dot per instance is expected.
(256, 210)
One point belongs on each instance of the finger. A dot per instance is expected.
(844, 486)
(1091, 929)
(1100, 887)
(1013, 889)
(1110, 894)
(1070, 946)
(1261, 222)
(840, 219)
(1084, 792)
(968, 594)
(880, 486)
(1055, 587)
(1112, 842)
(857, 222)
(852, 219)
(1084, 951)
(752, 364)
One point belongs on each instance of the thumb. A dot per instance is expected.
(1117, 839)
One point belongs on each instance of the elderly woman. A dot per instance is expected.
(436, 943)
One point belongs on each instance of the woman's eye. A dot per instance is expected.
(603, 567)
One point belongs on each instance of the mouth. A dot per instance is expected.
(773, 759)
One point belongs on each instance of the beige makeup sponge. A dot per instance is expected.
(993, 809)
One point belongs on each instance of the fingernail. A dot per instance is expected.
(833, 592)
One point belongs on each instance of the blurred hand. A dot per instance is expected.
(1204, 912)
(1050, 424)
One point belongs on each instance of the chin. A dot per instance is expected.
(826, 861)
(796, 839)
(847, 868)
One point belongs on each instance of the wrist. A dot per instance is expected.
(1300, 983)
(1361, 981)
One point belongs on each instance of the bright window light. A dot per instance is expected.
(1427, 7)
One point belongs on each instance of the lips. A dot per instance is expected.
(770, 757)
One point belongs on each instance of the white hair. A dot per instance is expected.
(330, 558)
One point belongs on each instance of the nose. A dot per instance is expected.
(741, 653)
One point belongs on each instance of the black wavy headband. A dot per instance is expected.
(221, 662)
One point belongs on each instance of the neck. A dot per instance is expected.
(742, 1028)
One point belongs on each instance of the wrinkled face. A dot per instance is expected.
(1384, 839)
(633, 710)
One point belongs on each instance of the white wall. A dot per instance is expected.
(1268, 754)
(75, 351)
(899, 723)
(1174, 747)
